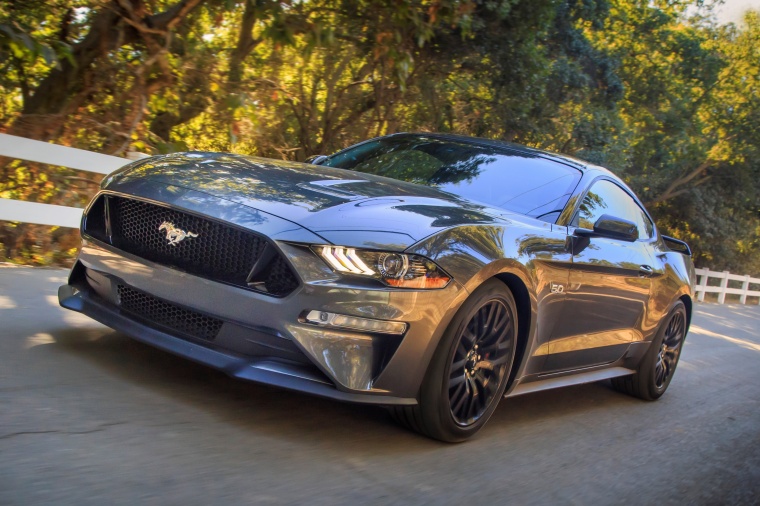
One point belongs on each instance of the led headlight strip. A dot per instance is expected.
(345, 260)
(394, 269)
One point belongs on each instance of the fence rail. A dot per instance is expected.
(30, 150)
(725, 277)
(62, 216)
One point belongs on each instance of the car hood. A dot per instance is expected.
(333, 203)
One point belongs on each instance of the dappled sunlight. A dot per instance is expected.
(734, 316)
(711, 316)
(38, 340)
(80, 335)
(741, 342)
(79, 320)
(746, 310)
(7, 303)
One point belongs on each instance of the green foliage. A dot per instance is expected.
(655, 90)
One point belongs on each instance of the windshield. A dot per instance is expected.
(521, 182)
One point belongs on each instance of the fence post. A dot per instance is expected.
(723, 286)
(702, 284)
(745, 289)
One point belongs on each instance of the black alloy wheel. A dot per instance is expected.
(470, 369)
(659, 364)
(480, 360)
(670, 349)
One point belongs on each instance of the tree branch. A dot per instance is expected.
(112, 27)
(673, 189)
(245, 44)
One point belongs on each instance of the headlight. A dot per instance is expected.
(394, 269)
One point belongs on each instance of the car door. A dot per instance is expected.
(609, 288)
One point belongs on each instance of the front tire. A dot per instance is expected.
(469, 371)
(659, 364)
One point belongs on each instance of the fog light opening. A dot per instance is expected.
(326, 319)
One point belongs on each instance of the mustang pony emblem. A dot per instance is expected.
(174, 234)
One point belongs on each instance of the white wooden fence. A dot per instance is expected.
(53, 154)
(61, 216)
(724, 289)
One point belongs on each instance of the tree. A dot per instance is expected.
(655, 90)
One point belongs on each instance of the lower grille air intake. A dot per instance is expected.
(162, 313)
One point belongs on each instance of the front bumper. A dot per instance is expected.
(260, 370)
(262, 338)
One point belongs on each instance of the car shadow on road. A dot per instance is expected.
(292, 416)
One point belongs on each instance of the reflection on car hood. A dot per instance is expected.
(325, 200)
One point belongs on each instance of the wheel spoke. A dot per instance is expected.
(474, 401)
(670, 329)
(498, 346)
(458, 365)
(505, 319)
(669, 349)
(497, 337)
(456, 380)
(460, 397)
(492, 312)
(659, 374)
(488, 386)
(506, 331)
(480, 322)
(469, 335)
(461, 349)
(477, 368)
(680, 325)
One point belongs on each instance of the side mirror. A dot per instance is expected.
(315, 159)
(616, 228)
(612, 227)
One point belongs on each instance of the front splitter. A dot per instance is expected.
(259, 370)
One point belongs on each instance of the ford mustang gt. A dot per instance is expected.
(431, 274)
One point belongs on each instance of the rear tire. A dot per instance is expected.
(469, 370)
(659, 364)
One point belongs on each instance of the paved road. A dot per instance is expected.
(88, 416)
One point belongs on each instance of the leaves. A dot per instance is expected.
(656, 91)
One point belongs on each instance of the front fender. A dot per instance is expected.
(533, 253)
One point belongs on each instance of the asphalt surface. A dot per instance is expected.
(88, 416)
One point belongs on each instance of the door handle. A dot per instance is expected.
(645, 271)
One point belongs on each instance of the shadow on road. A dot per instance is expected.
(294, 416)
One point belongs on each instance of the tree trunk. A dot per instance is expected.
(117, 24)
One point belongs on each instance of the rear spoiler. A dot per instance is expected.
(676, 245)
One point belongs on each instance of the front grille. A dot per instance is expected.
(210, 249)
(217, 251)
(162, 313)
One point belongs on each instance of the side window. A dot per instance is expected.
(605, 197)
(646, 227)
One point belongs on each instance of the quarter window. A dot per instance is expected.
(605, 197)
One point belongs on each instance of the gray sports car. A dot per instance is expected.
(432, 274)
